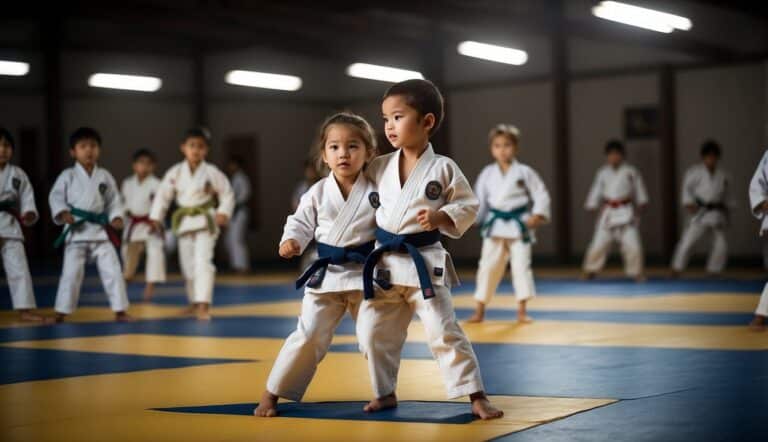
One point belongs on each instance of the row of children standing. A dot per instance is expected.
(86, 201)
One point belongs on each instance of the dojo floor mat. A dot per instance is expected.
(604, 360)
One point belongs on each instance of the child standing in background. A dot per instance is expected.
(758, 202)
(513, 202)
(236, 235)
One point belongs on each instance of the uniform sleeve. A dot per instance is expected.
(225, 193)
(301, 225)
(542, 202)
(27, 196)
(163, 196)
(481, 191)
(461, 204)
(641, 194)
(114, 205)
(595, 192)
(758, 187)
(57, 199)
(686, 195)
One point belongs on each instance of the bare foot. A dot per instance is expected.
(202, 312)
(267, 405)
(382, 403)
(191, 309)
(124, 317)
(482, 408)
(479, 314)
(588, 276)
(149, 291)
(30, 316)
(59, 318)
(757, 324)
(524, 319)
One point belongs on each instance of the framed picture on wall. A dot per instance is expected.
(641, 122)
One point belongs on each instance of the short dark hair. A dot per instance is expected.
(710, 147)
(614, 145)
(84, 133)
(6, 135)
(423, 96)
(198, 132)
(144, 153)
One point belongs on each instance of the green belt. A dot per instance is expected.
(512, 215)
(85, 217)
(182, 212)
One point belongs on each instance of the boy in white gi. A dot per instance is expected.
(758, 202)
(339, 212)
(421, 195)
(138, 190)
(705, 197)
(17, 209)
(513, 202)
(235, 235)
(86, 200)
(618, 196)
(195, 185)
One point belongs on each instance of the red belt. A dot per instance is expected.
(135, 220)
(615, 204)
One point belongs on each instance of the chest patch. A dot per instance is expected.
(433, 190)
(373, 198)
(520, 183)
(16, 183)
(103, 188)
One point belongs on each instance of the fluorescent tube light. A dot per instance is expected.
(264, 80)
(381, 73)
(125, 82)
(641, 17)
(499, 54)
(13, 68)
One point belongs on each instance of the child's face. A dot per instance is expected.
(614, 158)
(195, 149)
(503, 149)
(710, 160)
(403, 125)
(344, 151)
(143, 166)
(86, 152)
(6, 152)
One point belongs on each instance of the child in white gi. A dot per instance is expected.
(421, 196)
(339, 212)
(17, 209)
(705, 197)
(235, 236)
(618, 196)
(138, 191)
(758, 202)
(86, 200)
(196, 185)
(513, 202)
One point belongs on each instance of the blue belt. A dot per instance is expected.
(515, 215)
(333, 255)
(410, 244)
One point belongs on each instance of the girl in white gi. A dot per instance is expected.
(17, 209)
(421, 196)
(705, 197)
(196, 185)
(235, 236)
(758, 202)
(618, 196)
(86, 200)
(138, 191)
(338, 212)
(513, 202)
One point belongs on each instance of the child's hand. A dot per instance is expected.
(66, 217)
(117, 224)
(289, 248)
(764, 206)
(535, 221)
(154, 226)
(691, 208)
(431, 220)
(28, 218)
(221, 219)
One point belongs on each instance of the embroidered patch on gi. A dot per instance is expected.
(151, 196)
(16, 183)
(382, 275)
(208, 187)
(520, 183)
(103, 188)
(373, 198)
(433, 190)
(438, 271)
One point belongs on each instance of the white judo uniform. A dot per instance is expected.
(95, 193)
(758, 192)
(435, 183)
(519, 192)
(16, 191)
(137, 236)
(616, 192)
(235, 235)
(325, 216)
(709, 191)
(197, 232)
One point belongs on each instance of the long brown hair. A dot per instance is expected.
(349, 119)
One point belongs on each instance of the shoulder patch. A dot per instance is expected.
(373, 198)
(103, 188)
(16, 183)
(433, 190)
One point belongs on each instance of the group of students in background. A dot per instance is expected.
(376, 222)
